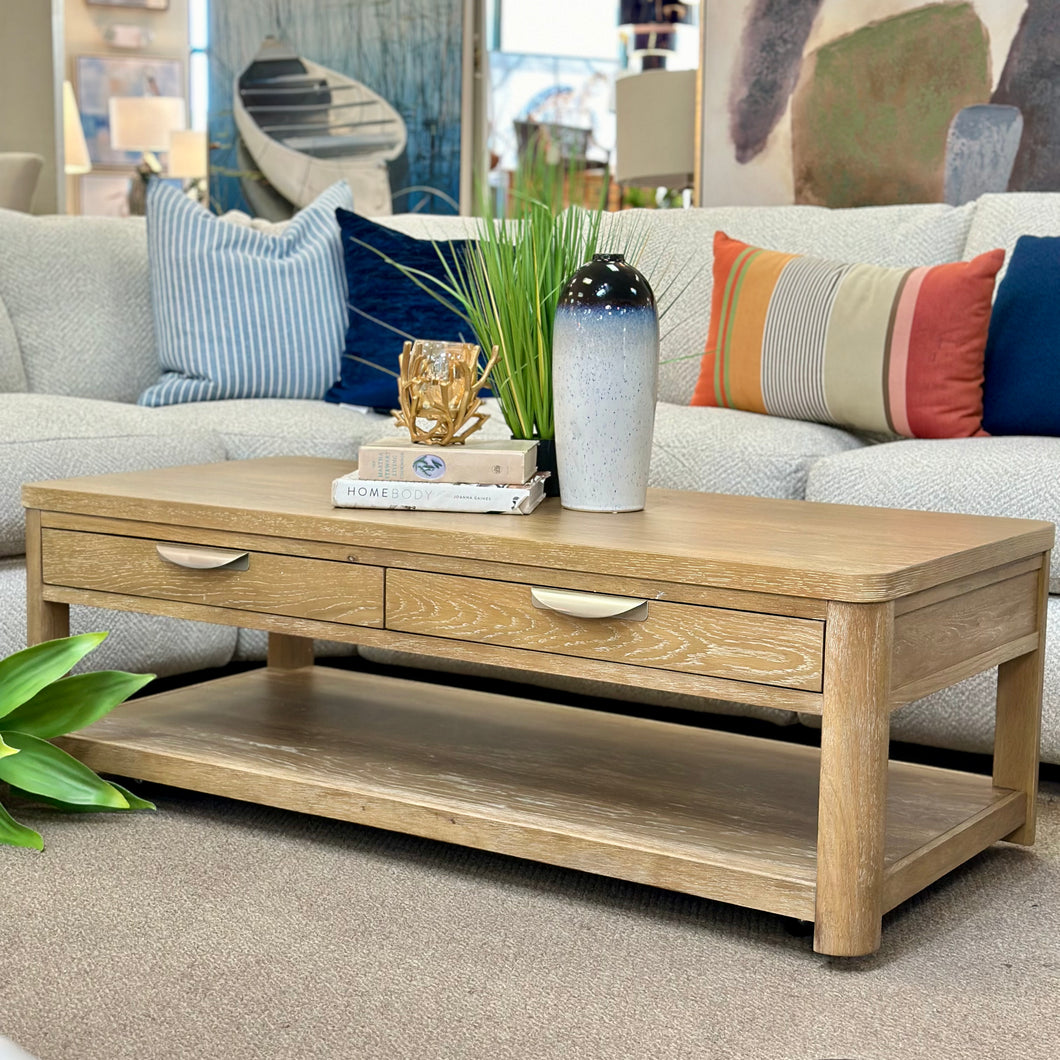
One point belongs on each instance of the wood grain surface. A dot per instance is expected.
(796, 548)
(711, 813)
(284, 585)
(830, 609)
(736, 645)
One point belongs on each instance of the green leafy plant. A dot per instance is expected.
(37, 703)
(508, 287)
(508, 283)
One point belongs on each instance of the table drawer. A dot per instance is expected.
(738, 645)
(248, 581)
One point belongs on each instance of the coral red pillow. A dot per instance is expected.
(859, 346)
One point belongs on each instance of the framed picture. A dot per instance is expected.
(101, 77)
(105, 194)
(402, 140)
(143, 5)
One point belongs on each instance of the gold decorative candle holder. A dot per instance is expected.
(438, 387)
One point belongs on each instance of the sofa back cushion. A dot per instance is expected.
(1000, 219)
(674, 249)
(77, 295)
(866, 347)
(12, 372)
(241, 312)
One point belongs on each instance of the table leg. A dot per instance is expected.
(289, 653)
(851, 823)
(45, 620)
(1019, 719)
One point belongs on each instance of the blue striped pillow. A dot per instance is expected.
(240, 312)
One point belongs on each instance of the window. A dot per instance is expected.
(198, 65)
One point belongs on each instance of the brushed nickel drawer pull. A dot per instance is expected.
(197, 557)
(588, 605)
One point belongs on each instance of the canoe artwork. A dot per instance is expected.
(304, 127)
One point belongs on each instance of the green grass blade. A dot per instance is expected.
(44, 769)
(13, 834)
(74, 702)
(26, 672)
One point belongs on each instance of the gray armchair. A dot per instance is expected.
(19, 172)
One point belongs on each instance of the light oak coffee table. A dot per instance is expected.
(841, 612)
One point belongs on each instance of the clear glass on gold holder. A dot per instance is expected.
(438, 387)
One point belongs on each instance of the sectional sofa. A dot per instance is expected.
(77, 348)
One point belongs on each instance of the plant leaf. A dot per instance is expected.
(134, 801)
(26, 672)
(44, 769)
(74, 702)
(13, 834)
(5, 750)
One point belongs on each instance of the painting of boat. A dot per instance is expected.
(306, 127)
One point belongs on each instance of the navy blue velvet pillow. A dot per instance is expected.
(386, 308)
(1021, 389)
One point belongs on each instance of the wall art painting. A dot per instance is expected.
(307, 92)
(837, 104)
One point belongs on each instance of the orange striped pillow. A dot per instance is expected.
(861, 346)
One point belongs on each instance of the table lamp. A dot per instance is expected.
(188, 159)
(144, 123)
(655, 120)
(75, 150)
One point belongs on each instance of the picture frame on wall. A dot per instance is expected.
(101, 77)
(143, 5)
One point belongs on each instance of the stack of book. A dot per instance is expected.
(478, 476)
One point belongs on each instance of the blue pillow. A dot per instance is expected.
(241, 312)
(386, 308)
(1021, 388)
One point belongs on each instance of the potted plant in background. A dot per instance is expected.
(37, 703)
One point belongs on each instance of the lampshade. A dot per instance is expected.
(143, 123)
(75, 150)
(655, 118)
(187, 154)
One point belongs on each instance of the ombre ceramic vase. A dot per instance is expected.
(605, 371)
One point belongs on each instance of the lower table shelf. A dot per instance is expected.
(715, 814)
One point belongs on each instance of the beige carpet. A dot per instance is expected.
(222, 930)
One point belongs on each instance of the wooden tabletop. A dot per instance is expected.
(798, 548)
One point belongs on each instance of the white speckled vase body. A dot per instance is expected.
(605, 370)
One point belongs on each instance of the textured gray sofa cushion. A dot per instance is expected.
(1013, 476)
(255, 427)
(675, 250)
(1000, 220)
(141, 643)
(44, 436)
(12, 373)
(282, 427)
(76, 290)
(731, 451)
